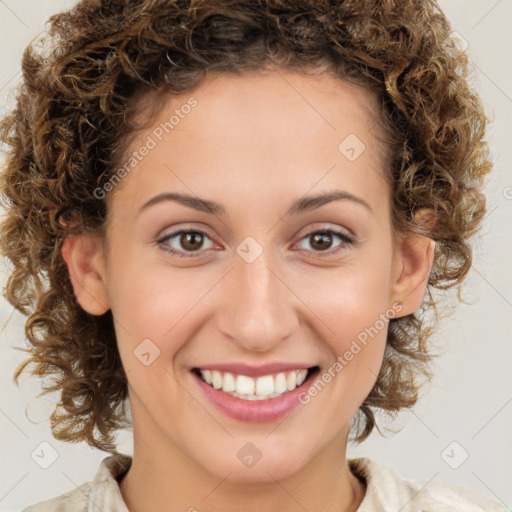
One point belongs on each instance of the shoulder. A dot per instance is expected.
(388, 490)
(103, 491)
(75, 500)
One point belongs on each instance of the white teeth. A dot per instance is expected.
(291, 381)
(216, 379)
(265, 385)
(245, 385)
(301, 377)
(260, 388)
(229, 383)
(207, 376)
(280, 383)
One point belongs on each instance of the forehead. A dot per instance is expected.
(277, 96)
(259, 131)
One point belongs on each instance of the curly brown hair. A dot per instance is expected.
(75, 111)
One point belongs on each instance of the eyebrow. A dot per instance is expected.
(302, 205)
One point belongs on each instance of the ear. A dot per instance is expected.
(412, 265)
(83, 255)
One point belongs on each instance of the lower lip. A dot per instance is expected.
(255, 411)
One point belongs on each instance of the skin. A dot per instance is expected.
(255, 143)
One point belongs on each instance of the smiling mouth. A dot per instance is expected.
(258, 388)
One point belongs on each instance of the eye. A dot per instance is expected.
(322, 240)
(190, 240)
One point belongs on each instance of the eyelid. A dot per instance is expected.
(320, 227)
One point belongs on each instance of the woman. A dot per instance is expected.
(230, 214)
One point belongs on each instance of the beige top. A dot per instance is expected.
(386, 492)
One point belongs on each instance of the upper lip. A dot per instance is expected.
(255, 371)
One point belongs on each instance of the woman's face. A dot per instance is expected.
(253, 282)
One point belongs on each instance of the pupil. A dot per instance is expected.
(322, 236)
(190, 236)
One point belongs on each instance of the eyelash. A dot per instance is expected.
(348, 241)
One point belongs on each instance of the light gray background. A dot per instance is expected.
(469, 400)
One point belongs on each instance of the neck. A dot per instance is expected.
(162, 477)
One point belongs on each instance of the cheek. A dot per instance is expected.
(349, 299)
(149, 302)
(352, 311)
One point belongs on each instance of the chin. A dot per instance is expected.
(249, 464)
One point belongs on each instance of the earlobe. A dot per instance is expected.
(414, 262)
(83, 255)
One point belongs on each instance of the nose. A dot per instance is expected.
(258, 306)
